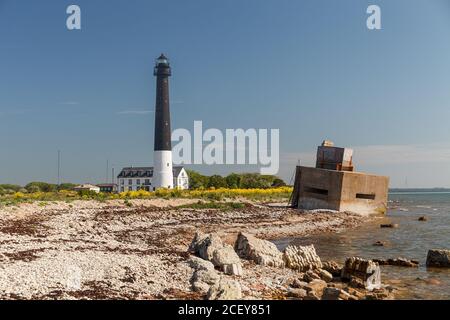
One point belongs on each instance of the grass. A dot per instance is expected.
(213, 195)
(128, 203)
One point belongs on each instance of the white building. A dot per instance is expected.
(134, 179)
(87, 187)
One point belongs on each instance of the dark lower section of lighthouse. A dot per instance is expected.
(162, 111)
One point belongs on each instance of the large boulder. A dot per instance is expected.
(204, 245)
(204, 274)
(302, 258)
(227, 260)
(362, 271)
(438, 258)
(207, 276)
(260, 251)
(202, 280)
(211, 248)
(225, 289)
(200, 264)
(200, 287)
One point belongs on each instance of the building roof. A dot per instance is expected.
(106, 185)
(86, 186)
(144, 172)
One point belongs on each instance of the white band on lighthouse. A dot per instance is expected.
(162, 171)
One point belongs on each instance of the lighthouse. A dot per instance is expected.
(163, 171)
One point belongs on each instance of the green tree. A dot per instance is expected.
(217, 182)
(277, 182)
(256, 181)
(250, 181)
(40, 186)
(10, 187)
(33, 189)
(233, 181)
(197, 180)
(66, 186)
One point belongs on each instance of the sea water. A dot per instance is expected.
(412, 240)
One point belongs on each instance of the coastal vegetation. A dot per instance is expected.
(272, 194)
(213, 188)
(234, 181)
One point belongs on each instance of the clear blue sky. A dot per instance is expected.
(310, 68)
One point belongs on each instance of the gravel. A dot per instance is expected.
(93, 250)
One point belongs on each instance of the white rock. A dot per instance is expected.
(233, 269)
(200, 264)
(200, 286)
(302, 258)
(204, 245)
(207, 276)
(225, 289)
(366, 270)
(260, 251)
(227, 260)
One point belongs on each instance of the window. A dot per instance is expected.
(365, 196)
(122, 189)
(316, 191)
(147, 181)
(122, 181)
(138, 182)
(130, 182)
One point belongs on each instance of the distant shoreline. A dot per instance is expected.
(420, 192)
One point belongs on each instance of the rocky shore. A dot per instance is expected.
(139, 249)
(219, 273)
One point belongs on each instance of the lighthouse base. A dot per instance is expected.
(162, 172)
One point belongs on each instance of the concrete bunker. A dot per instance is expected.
(334, 185)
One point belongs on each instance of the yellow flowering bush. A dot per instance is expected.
(208, 194)
(18, 195)
(280, 192)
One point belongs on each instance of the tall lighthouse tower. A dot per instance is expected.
(162, 172)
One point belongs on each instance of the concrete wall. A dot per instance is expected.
(364, 193)
(331, 157)
(341, 190)
(312, 182)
